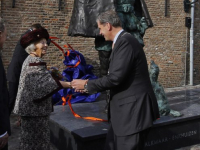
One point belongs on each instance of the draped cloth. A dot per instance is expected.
(76, 69)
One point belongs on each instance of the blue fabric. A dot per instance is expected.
(82, 71)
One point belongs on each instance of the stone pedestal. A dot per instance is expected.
(168, 133)
(68, 132)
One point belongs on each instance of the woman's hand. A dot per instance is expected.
(65, 84)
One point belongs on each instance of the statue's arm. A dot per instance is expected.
(146, 13)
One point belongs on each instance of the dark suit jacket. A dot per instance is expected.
(133, 105)
(4, 101)
(15, 66)
(14, 70)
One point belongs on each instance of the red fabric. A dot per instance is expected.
(68, 98)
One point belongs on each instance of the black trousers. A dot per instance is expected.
(130, 142)
(13, 87)
(5, 147)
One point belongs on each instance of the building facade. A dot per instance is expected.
(167, 42)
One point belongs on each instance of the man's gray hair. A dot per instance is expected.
(2, 25)
(110, 17)
(31, 48)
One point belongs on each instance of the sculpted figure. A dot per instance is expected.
(162, 100)
(83, 23)
(132, 20)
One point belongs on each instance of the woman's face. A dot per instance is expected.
(41, 47)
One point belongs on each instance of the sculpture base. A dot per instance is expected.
(68, 132)
(168, 133)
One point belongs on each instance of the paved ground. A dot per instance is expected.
(13, 143)
(194, 147)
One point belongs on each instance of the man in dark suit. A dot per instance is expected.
(133, 105)
(4, 97)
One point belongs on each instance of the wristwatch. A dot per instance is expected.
(85, 86)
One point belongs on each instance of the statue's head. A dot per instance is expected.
(153, 71)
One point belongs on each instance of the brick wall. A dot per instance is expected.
(166, 43)
(28, 12)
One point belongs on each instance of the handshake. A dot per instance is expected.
(79, 85)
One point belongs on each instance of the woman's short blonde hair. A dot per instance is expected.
(30, 48)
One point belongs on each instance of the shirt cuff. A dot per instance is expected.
(3, 134)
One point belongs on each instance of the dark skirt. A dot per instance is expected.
(35, 133)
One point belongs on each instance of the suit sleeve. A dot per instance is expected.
(120, 65)
(4, 112)
(4, 118)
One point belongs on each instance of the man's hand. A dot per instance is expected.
(78, 84)
(3, 141)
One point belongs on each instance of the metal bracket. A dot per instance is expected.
(165, 8)
(187, 5)
(13, 4)
(59, 5)
(192, 2)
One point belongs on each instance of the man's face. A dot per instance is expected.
(3, 36)
(104, 30)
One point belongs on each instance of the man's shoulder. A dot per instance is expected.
(19, 50)
(128, 37)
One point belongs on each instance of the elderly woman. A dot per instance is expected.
(33, 102)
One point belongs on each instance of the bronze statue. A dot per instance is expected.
(162, 100)
(83, 23)
(132, 20)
